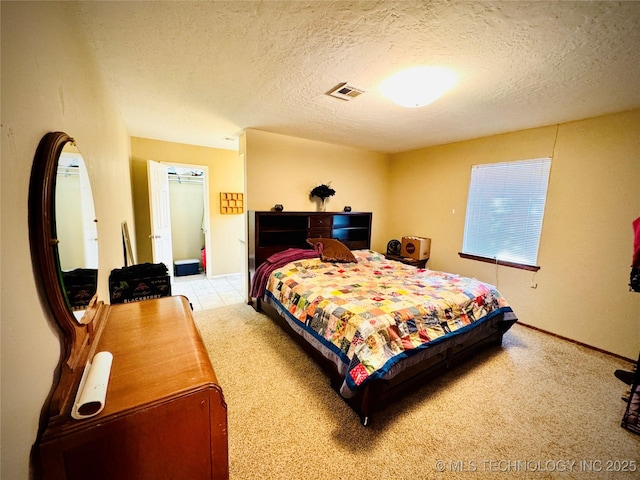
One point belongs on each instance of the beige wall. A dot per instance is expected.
(187, 210)
(283, 169)
(585, 253)
(586, 245)
(226, 174)
(49, 83)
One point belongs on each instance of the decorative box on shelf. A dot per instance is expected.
(231, 203)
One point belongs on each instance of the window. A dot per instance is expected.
(505, 209)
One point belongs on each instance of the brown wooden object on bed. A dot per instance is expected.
(271, 232)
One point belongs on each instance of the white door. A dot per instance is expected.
(206, 228)
(206, 224)
(160, 213)
(89, 225)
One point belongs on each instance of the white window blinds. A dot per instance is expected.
(505, 209)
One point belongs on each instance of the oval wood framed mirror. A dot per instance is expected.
(46, 262)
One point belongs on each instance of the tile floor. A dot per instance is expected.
(204, 293)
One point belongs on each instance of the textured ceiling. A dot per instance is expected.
(198, 72)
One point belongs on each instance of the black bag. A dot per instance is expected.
(80, 286)
(139, 282)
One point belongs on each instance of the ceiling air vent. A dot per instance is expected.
(345, 91)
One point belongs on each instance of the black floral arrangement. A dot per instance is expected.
(323, 191)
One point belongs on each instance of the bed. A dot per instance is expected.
(379, 327)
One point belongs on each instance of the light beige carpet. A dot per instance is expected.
(539, 407)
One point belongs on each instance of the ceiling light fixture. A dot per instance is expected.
(418, 86)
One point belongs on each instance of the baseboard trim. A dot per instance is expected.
(590, 347)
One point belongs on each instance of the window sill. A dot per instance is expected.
(521, 266)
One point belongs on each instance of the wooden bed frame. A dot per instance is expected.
(378, 393)
(294, 228)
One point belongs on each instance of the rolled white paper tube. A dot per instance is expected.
(92, 392)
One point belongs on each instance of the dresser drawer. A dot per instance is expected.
(316, 221)
(319, 232)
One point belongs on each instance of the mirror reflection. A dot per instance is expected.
(76, 229)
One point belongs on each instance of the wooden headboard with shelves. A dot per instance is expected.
(273, 232)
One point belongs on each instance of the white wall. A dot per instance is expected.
(49, 83)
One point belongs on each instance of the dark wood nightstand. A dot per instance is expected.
(409, 261)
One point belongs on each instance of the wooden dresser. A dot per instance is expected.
(165, 416)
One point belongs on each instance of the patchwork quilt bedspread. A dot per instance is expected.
(368, 316)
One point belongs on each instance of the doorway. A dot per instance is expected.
(179, 211)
